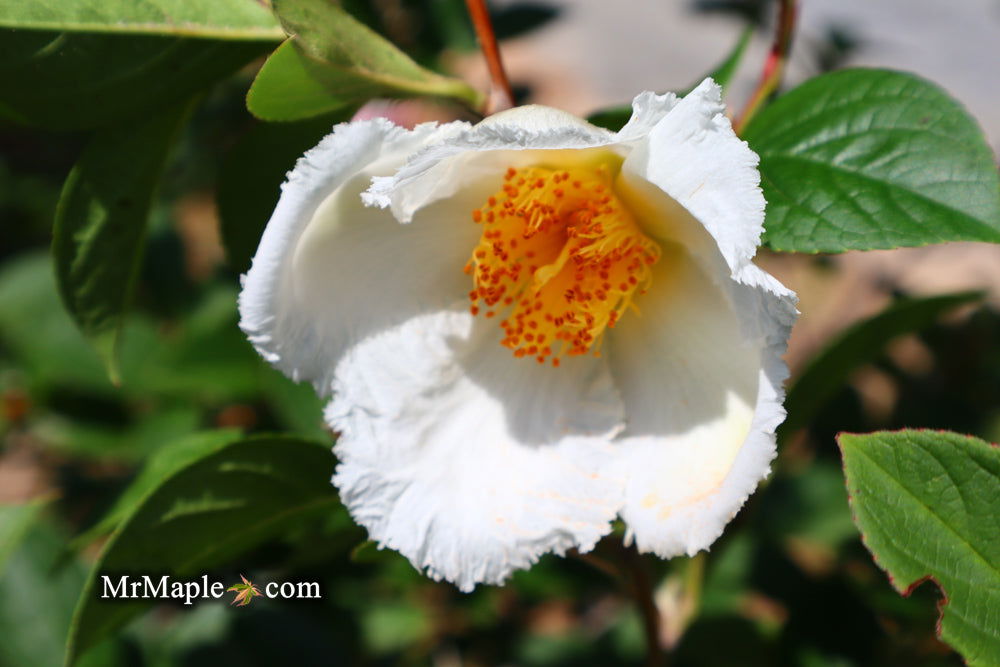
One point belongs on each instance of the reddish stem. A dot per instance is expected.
(774, 66)
(500, 97)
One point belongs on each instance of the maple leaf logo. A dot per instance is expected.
(245, 592)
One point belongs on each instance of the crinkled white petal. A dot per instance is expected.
(330, 271)
(701, 378)
(521, 136)
(700, 370)
(702, 402)
(693, 155)
(471, 463)
(647, 110)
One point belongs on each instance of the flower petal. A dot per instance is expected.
(471, 463)
(517, 137)
(701, 383)
(693, 155)
(647, 110)
(330, 271)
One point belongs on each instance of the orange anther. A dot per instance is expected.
(550, 257)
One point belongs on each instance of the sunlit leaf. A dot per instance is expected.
(862, 159)
(218, 19)
(928, 506)
(100, 224)
(292, 87)
(334, 61)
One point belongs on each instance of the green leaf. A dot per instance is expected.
(290, 87)
(100, 225)
(334, 61)
(860, 344)
(219, 19)
(928, 506)
(126, 444)
(251, 178)
(615, 118)
(862, 159)
(73, 81)
(203, 516)
(328, 34)
(161, 465)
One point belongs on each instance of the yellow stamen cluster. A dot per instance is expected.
(561, 256)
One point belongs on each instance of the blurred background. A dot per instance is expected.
(790, 581)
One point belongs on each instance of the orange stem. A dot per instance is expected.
(774, 66)
(500, 97)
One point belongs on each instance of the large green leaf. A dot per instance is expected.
(218, 19)
(861, 159)
(334, 61)
(162, 464)
(928, 506)
(860, 344)
(72, 81)
(100, 224)
(291, 86)
(204, 515)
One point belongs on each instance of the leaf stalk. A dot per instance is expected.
(774, 66)
(501, 97)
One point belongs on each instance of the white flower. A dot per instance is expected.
(529, 327)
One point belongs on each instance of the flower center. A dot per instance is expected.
(562, 256)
